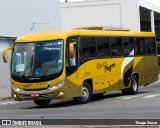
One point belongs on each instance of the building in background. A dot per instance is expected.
(24, 16)
(136, 15)
(19, 17)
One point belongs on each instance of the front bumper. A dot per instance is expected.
(66, 89)
(40, 94)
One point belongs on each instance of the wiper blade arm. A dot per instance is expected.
(30, 63)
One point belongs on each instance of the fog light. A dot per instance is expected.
(61, 93)
(14, 96)
(17, 89)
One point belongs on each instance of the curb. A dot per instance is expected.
(5, 98)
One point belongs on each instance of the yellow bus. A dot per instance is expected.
(80, 63)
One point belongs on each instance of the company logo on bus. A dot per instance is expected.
(34, 78)
(105, 66)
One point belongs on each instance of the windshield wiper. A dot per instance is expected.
(29, 64)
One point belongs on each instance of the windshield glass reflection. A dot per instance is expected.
(37, 59)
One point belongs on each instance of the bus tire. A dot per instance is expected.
(42, 103)
(86, 94)
(134, 87)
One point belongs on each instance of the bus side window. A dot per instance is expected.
(71, 63)
(158, 48)
(84, 48)
(150, 45)
(103, 46)
(128, 45)
(88, 47)
(136, 46)
(116, 46)
(139, 46)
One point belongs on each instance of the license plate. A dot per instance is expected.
(35, 95)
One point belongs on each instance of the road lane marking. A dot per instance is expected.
(151, 96)
(129, 97)
(8, 103)
(13, 102)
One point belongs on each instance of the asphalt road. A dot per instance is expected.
(113, 105)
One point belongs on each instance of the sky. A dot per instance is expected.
(157, 2)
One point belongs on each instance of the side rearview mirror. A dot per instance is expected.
(5, 54)
(71, 49)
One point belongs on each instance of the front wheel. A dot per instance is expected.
(86, 94)
(42, 103)
(134, 87)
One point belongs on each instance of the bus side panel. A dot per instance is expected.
(73, 88)
(147, 69)
(106, 74)
(138, 69)
(150, 69)
(109, 74)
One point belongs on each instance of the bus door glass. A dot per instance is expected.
(71, 63)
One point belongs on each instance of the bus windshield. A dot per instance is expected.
(37, 59)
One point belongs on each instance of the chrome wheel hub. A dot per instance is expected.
(85, 93)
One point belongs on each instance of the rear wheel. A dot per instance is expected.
(134, 87)
(42, 102)
(86, 94)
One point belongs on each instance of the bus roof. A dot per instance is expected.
(51, 35)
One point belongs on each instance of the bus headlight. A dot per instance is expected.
(56, 86)
(16, 89)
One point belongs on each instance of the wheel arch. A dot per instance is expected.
(90, 82)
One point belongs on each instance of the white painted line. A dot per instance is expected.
(129, 97)
(8, 103)
(17, 102)
(4, 103)
(125, 98)
(13, 102)
(151, 96)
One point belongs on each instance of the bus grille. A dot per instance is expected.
(42, 89)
